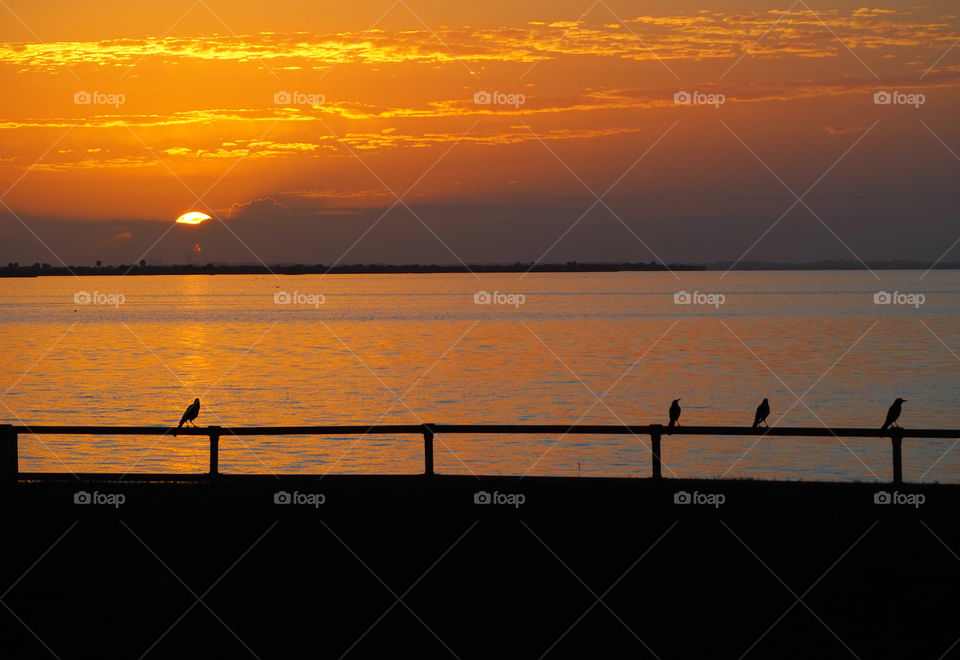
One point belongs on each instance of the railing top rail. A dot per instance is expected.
(482, 429)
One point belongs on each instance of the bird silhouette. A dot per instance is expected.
(190, 413)
(675, 413)
(893, 414)
(762, 411)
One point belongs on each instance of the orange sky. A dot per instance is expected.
(184, 106)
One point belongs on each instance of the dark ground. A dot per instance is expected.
(410, 567)
(39, 270)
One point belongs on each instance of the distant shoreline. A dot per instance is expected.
(44, 270)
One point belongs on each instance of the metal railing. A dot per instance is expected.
(9, 435)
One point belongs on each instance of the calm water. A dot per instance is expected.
(416, 348)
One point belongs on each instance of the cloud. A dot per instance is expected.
(831, 130)
(257, 208)
(696, 36)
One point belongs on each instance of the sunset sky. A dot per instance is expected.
(298, 125)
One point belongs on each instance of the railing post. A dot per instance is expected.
(214, 450)
(428, 449)
(896, 437)
(655, 434)
(8, 452)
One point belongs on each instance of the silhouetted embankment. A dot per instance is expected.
(483, 567)
(38, 270)
(45, 269)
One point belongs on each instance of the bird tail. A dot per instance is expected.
(883, 428)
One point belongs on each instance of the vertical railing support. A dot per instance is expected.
(428, 449)
(214, 450)
(9, 455)
(896, 437)
(655, 434)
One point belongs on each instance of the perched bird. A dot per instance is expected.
(190, 413)
(893, 414)
(675, 413)
(762, 411)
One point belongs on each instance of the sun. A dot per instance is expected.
(192, 218)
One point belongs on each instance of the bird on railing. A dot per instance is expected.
(762, 411)
(190, 413)
(893, 414)
(675, 413)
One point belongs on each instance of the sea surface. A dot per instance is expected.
(823, 346)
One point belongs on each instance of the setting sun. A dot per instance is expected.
(192, 218)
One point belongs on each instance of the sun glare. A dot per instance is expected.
(192, 218)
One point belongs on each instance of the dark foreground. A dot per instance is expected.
(413, 567)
